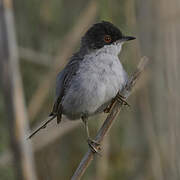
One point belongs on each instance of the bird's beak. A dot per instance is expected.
(127, 38)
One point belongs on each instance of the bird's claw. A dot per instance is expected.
(94, 146)
(122, 99)
(107, 110)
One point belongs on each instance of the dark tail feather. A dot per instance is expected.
(42, 126)
(59, 118)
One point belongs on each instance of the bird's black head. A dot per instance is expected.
(101, 34)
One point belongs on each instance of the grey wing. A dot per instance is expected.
(59, 94)
(59, 83)
(62, 81)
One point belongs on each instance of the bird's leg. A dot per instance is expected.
(121, 99)
(94, 146)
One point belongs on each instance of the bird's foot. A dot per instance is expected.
(122, 99)
(94, 146)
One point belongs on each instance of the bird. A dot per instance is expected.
(92, 78)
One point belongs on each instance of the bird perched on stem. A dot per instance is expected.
(91, 80)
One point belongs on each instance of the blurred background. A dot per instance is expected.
(36, 39)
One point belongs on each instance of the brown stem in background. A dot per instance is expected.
(44, 138)
(88, 157)
(10, 79)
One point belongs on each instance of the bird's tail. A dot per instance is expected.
(42, 126)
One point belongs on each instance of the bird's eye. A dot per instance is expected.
(107, 38)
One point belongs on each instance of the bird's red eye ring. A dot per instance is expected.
(107, 38)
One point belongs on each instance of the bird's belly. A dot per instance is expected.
(86, 95)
